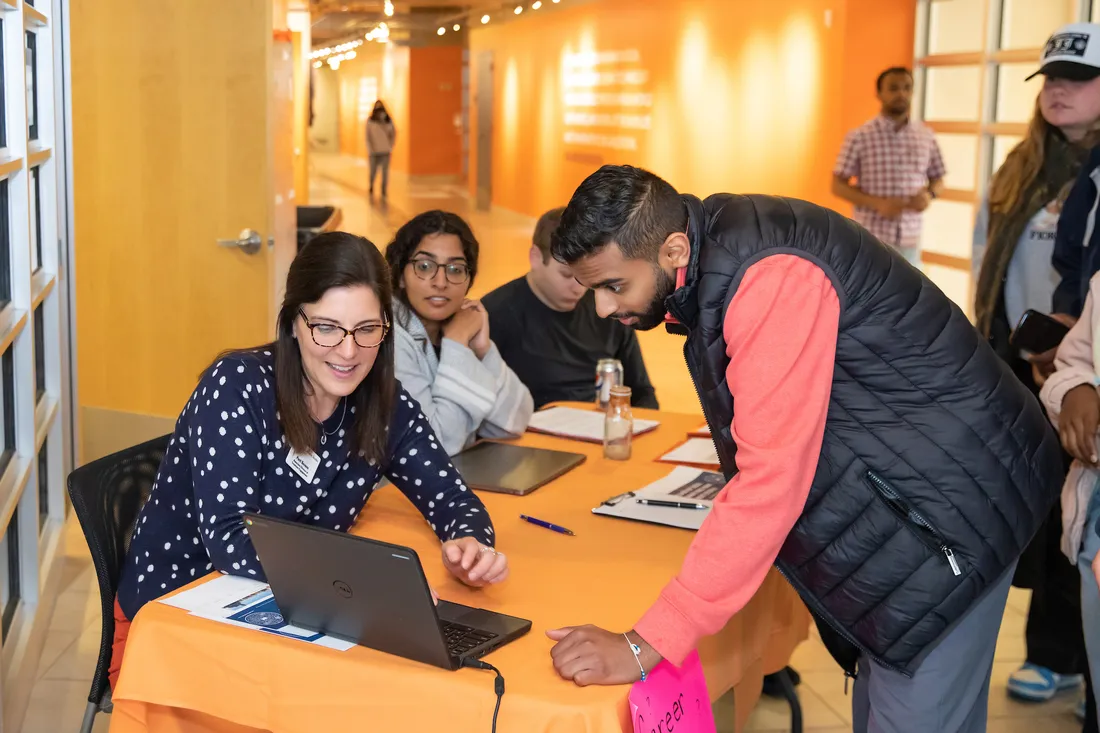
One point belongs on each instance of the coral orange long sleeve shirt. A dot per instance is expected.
(780, 331)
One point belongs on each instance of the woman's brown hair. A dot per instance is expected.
(334, 260)
(1024, 164)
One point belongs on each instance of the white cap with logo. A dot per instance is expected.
(1073, 52)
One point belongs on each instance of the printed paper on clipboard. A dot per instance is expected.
(250, 605)
(681, 484)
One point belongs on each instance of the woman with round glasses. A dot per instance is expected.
(444, 355)
(300, 429)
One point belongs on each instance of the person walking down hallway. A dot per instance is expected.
(896, 166)
(381, 135)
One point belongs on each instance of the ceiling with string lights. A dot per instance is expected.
(337, 22)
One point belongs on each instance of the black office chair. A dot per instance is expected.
(107, 496)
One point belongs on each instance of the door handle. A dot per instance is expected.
(249, 242)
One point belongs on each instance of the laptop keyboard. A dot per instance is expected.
(461, 639)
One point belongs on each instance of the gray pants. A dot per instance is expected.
(950, 691)
(1090, 594)
(380, 161)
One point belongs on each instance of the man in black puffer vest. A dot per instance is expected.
(880, 454)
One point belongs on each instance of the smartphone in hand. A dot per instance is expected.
(1037, 332)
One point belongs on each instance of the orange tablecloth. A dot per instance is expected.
(187, 674)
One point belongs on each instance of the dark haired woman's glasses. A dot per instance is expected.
(455, 272)
(330, 336)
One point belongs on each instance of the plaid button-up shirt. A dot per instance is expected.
(890, 162)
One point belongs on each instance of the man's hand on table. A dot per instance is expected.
(588, 655)
(473, 563)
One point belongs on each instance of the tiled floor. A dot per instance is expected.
(72, 645)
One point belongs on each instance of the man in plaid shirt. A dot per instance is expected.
(896, 166)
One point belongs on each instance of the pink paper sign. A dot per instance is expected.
(672, 700)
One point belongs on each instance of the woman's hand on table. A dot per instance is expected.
(473, 563)
(588, 655)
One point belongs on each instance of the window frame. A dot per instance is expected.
(987, 128)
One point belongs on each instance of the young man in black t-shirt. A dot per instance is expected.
(546, 329)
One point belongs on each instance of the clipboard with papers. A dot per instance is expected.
(682, 484)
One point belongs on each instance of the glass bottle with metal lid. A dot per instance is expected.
(618, 425)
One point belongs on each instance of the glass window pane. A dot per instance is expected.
(9, 575)
(43, 486)
(948, 228)
(32, 87)
(1016, 97)
(39, 353)
(952, 93)
(960, 155)
(955, 26)
(3, 102)
(954, 283)
(5, 245)
(1029, 23)
(36, 220)
(7, 407)
(1002, 146)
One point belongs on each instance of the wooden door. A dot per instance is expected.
(180, 139)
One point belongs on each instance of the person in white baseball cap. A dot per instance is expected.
(1073, 53)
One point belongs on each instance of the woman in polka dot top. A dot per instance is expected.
(323, 393)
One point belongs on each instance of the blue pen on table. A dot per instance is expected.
(672, 504)
(547, 525)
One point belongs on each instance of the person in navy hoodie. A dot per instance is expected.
(325, 393)
(1076, 254)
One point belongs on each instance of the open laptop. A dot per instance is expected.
(512, 469)
(371, 593)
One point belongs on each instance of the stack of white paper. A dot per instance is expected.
(697, 451)
(248, 604)
(586, 425)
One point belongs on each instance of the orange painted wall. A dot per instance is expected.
(435, 100)
(746, 96)
(386, 66)
(878, 34)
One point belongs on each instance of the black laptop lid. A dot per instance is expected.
(512, 469)
(353, 588)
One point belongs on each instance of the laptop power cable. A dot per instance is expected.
(498, 684)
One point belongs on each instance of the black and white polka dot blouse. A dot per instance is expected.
(228, 455)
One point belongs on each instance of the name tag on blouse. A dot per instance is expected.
(303, 464)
